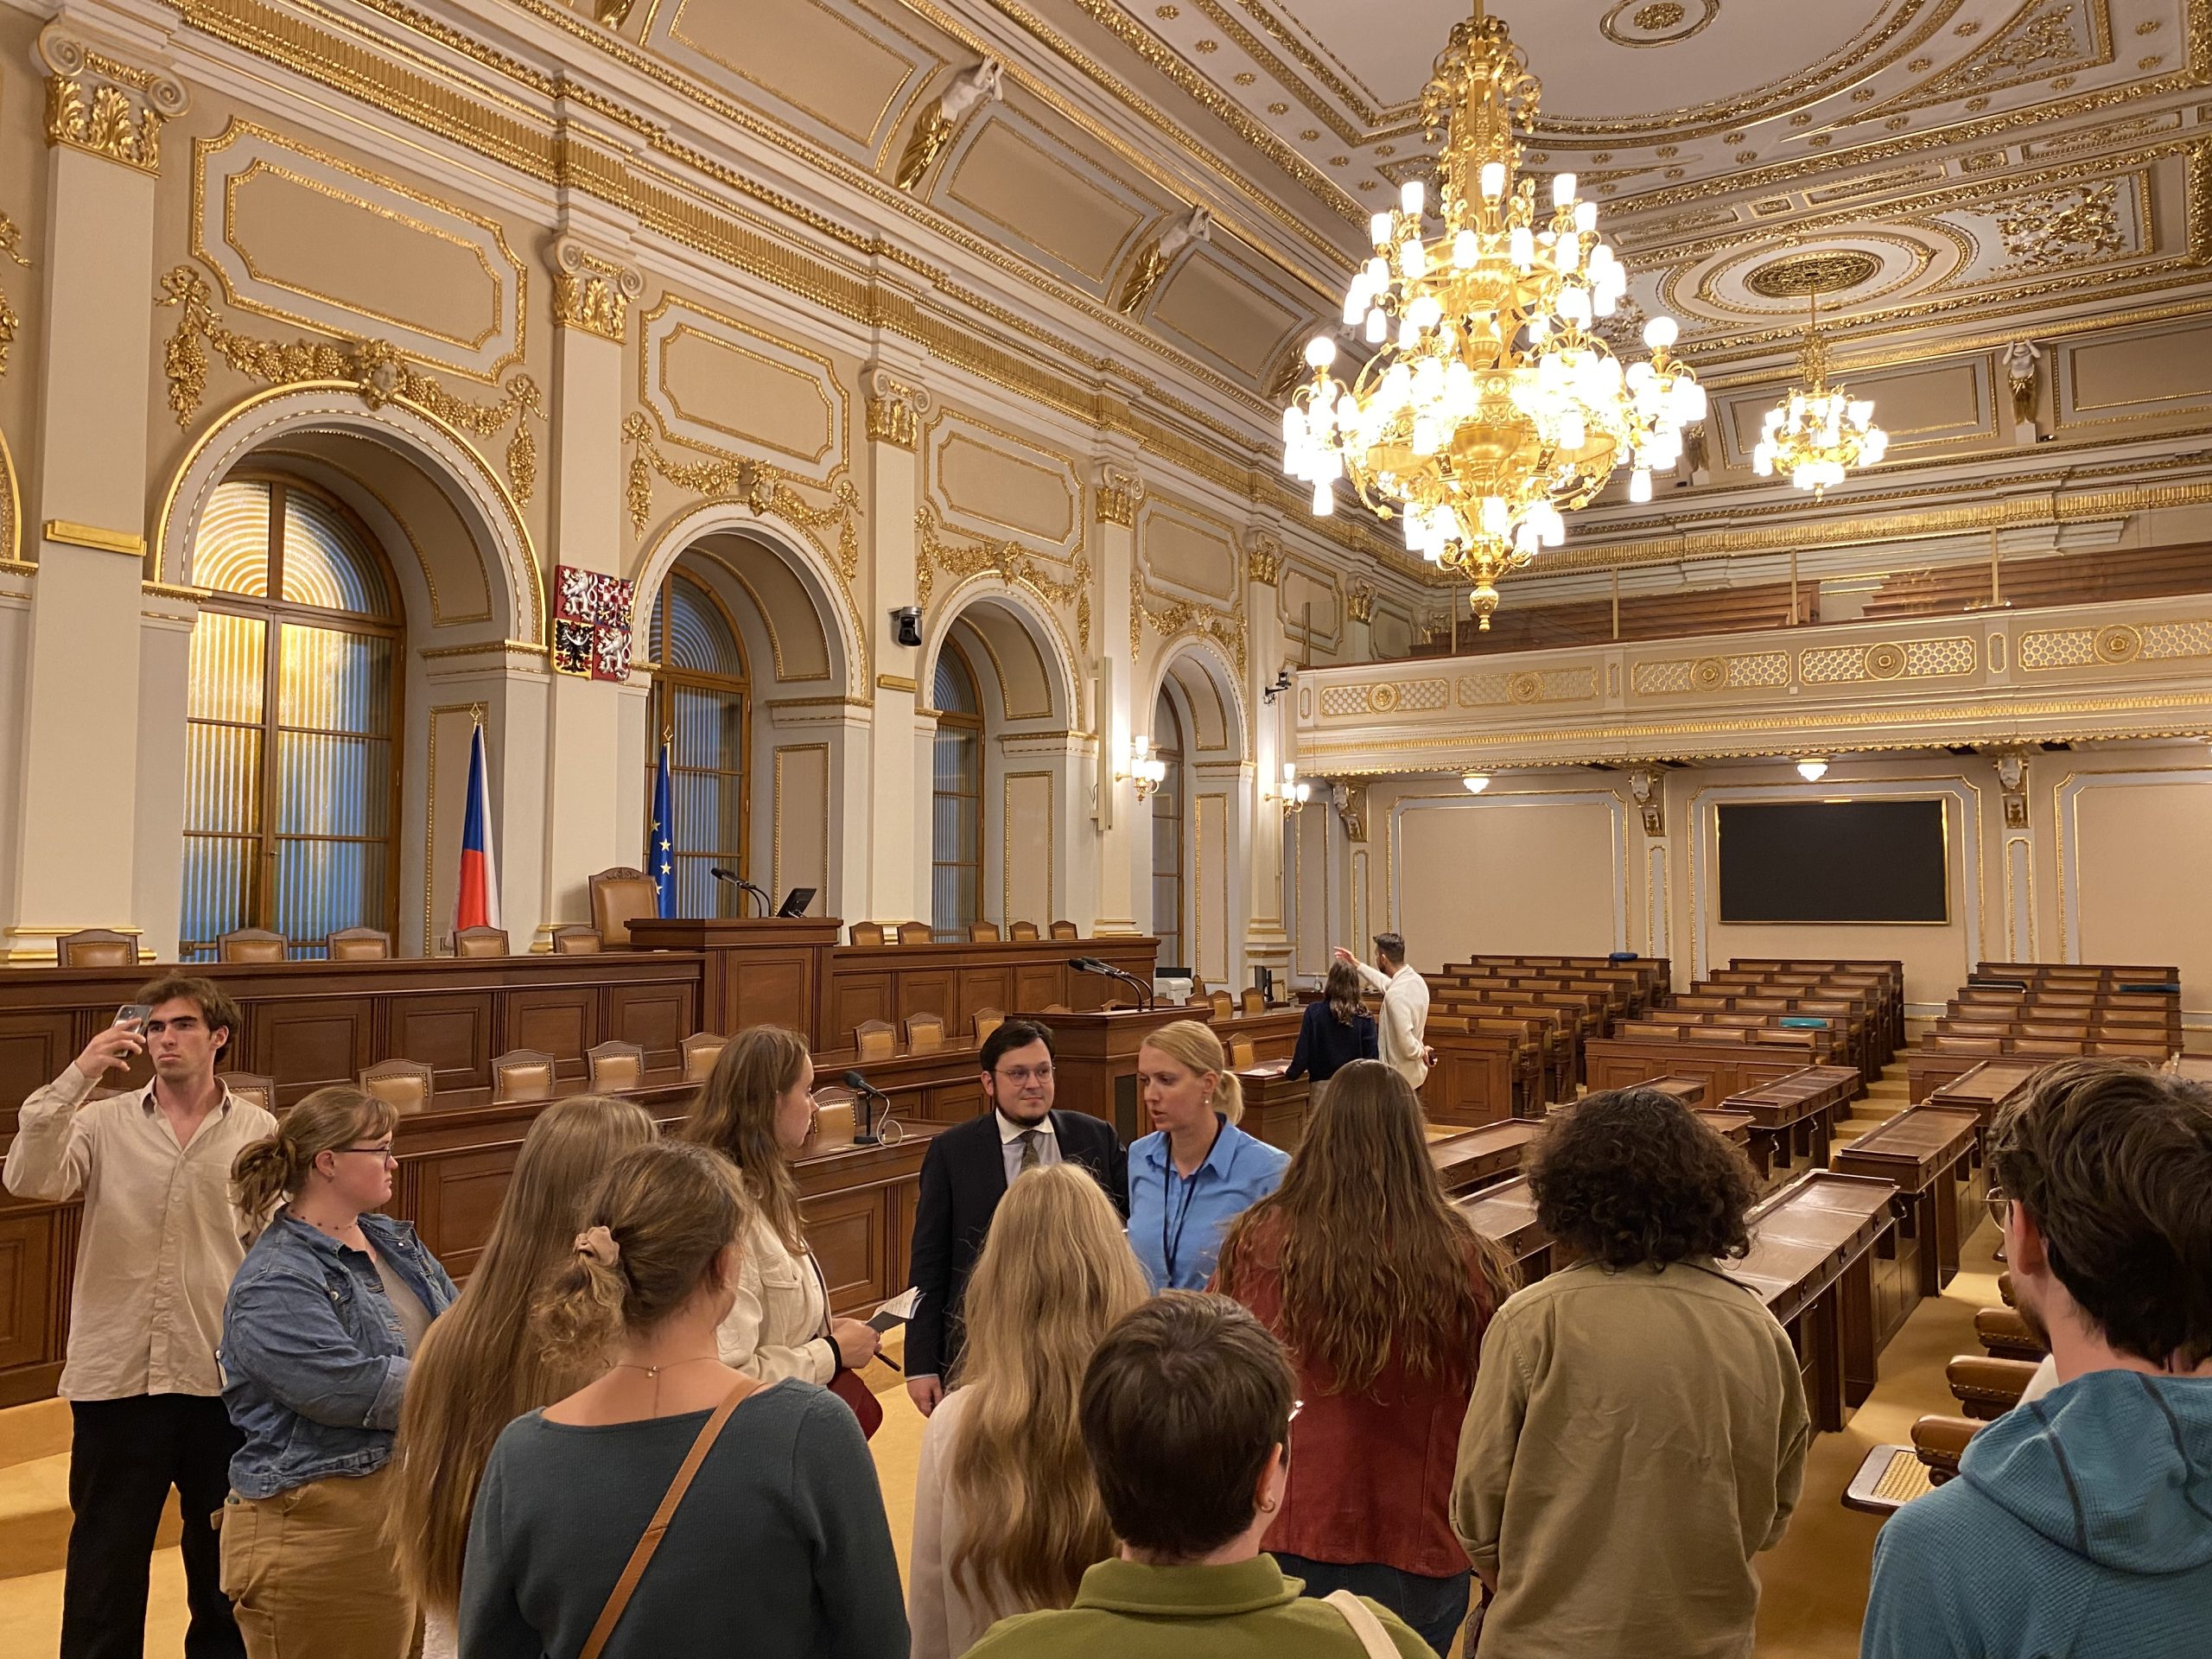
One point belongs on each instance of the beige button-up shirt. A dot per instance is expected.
(1404, 1035)
(160, 1239)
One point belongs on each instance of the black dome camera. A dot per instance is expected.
(907, 623)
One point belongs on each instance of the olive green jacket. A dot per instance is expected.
(1246, 1610)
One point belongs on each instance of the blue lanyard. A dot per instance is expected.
(1172, 1248)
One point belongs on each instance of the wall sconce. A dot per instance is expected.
(1475, 782)
(1143, 768)
(1295, 792)
(1813, 767)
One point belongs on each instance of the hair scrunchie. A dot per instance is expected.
(599, 1244)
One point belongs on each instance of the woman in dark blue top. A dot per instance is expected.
(1338, 1029)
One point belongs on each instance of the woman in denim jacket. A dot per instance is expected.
(321, 1320)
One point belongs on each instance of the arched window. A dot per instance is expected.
(702, 699)
(1167, 835)
(291, 771)
(957, 815)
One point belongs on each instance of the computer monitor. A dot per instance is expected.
(796, 901)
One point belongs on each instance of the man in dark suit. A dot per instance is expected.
(967, 1171)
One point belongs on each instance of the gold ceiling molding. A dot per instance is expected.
(2038, 42)
(376, 369)
(1010, 562)
(1826, 272)
(592, 292)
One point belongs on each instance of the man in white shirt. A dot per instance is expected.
(160, 1240)
(1403, 1039)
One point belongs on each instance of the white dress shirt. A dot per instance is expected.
(1011, 1143)
(1403, 1039)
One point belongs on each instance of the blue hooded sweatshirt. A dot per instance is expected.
(2080, 1525)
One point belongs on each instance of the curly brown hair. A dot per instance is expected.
(1633, 1177)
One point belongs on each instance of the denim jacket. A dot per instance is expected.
(314, 1361)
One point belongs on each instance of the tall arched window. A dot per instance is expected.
(702, 699)
(290, 771)
(1167, 835)
(957, 817)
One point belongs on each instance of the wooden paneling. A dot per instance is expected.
(458, 1199)
(848, 1234)
(35, 1044)
(449, 1032)
(564, 1023)
(657, 1017)
(26, 1259)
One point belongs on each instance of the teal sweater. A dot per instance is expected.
(2080, 1524)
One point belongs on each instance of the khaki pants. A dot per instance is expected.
(311, 1575)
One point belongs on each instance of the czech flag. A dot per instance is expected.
(478, 903)
(663, 851)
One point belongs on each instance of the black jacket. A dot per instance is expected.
(963, 1177)
(1326, 1044)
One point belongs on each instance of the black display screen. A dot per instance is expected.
(1832, 861)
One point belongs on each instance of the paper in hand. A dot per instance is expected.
(896, 1311)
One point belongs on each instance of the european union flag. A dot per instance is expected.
(662, 853)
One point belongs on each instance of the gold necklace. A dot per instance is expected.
(655, 1370)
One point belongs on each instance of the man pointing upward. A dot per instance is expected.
(1404, 1006)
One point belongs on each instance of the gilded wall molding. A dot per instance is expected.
(1010, 562)
(378, 370)
(935, 127)
(1119, 492)
(1359, 603)
(895, 409)
(11, 248)
(104, 106)
(592, 293)
(1263, 560)
(1172, 620)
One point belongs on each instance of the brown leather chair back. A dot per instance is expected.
(1241, 1054)
(919, 933)
(251, 944)
(700, 1050)
(1253, 1000)
(614, 1067)
(875, 1039)
(577, 940)
(982, 932)
(618, 897)
(989, 1020)
(1224, 1005)
(925, 1033)
(480, 942)
(404, 1084)
(97, 947)
(835, 1109)
(358, 945)
(1023, 932)
(1065, 930)
(522, 1074)
(244, 1086)
(868, 932)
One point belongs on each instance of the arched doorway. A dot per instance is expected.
(1201, 813)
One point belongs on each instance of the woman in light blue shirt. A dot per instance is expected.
(1199, 1172)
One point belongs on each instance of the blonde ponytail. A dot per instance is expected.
(273, 1170)
(1192, 1044)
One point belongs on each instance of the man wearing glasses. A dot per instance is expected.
(967, 1171)
(157, 1246)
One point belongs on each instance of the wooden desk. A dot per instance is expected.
(1812, 1248)
(957, 981)
(1507, 1213)
(1725, 1067)
(1276, 1106)
(1988, 1085)
(1094, 1062)
(1692, 1092)
(1927, 1152)
(1793, 1117)
(1474, 1080)
(1273, 1032)
(858, 1204)
(760, 971)
(1477, 1157)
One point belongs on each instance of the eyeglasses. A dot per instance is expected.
(1021, 1075)
(2000, 1207)
(382, 1151)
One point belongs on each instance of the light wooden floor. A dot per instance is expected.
(1816, 1583)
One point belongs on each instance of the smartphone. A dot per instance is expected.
(134, 1013)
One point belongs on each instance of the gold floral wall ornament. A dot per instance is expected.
(1010, 562)
(1263, 560)
(1171, 620)
(99, 105)
(1360, 602)
(896, 408)
(758, 486)
(2055, 229)
(934, 130)
(1151, 265)
(592, 292)
(378, 370)
(11, 247)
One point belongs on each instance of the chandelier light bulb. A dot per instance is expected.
(1660, 333)
(1320, 352)
(1474, 782)
(1378, 229)
(1412, 196)
(1639, 485)
(1562, 189)
(1493, 181)
(1813, 768)
(1378, 326)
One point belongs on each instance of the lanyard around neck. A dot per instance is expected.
(1171, 1246)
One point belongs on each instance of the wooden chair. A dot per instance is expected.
(358, 945)
(404, 1084)
(875, 1039)
(987, 1021)
(614, 1067)
(1064, 930)
(1253, 1000)
(868, 932)
(244, 1086)
(577, 940)
(925, 1033)
(252, 945)
(920, 933)
(700, 1050)
(480, 942)
(1223, 1005)
(982, 932)
(2005, 1334)
(1241, 1054)
(1022, 933)
(97, 947)
(620, 896)
(522, 1074)
(1986, 1387)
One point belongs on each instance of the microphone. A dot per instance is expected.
(866, 1135)
(741, 884)
(1098, 965)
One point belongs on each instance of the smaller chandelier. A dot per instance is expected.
(1818, 432)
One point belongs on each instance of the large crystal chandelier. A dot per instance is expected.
(1487, 405)
(1818, 433)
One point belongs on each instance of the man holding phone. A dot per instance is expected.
(158, 1244)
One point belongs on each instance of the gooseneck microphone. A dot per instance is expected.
(866, 1135)
(1107, 969)
(741, 884)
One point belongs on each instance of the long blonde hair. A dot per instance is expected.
(735, 1115)
(1192, 1043)
(1055, 1275)
(482, 1366)
(273, 1170)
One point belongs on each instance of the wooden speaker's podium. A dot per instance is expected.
(761, 970)
(1095, 1061)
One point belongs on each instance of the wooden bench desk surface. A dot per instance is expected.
(1928, 1152)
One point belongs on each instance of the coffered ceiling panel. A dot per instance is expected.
(1019, 182)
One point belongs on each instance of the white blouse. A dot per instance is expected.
(779, 1325)
(944, 1619)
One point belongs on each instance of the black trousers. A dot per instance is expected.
(126, 1456)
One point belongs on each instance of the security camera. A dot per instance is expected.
(907, 620)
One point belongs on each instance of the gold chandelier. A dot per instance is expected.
(1487, 405)
(1818, 433)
